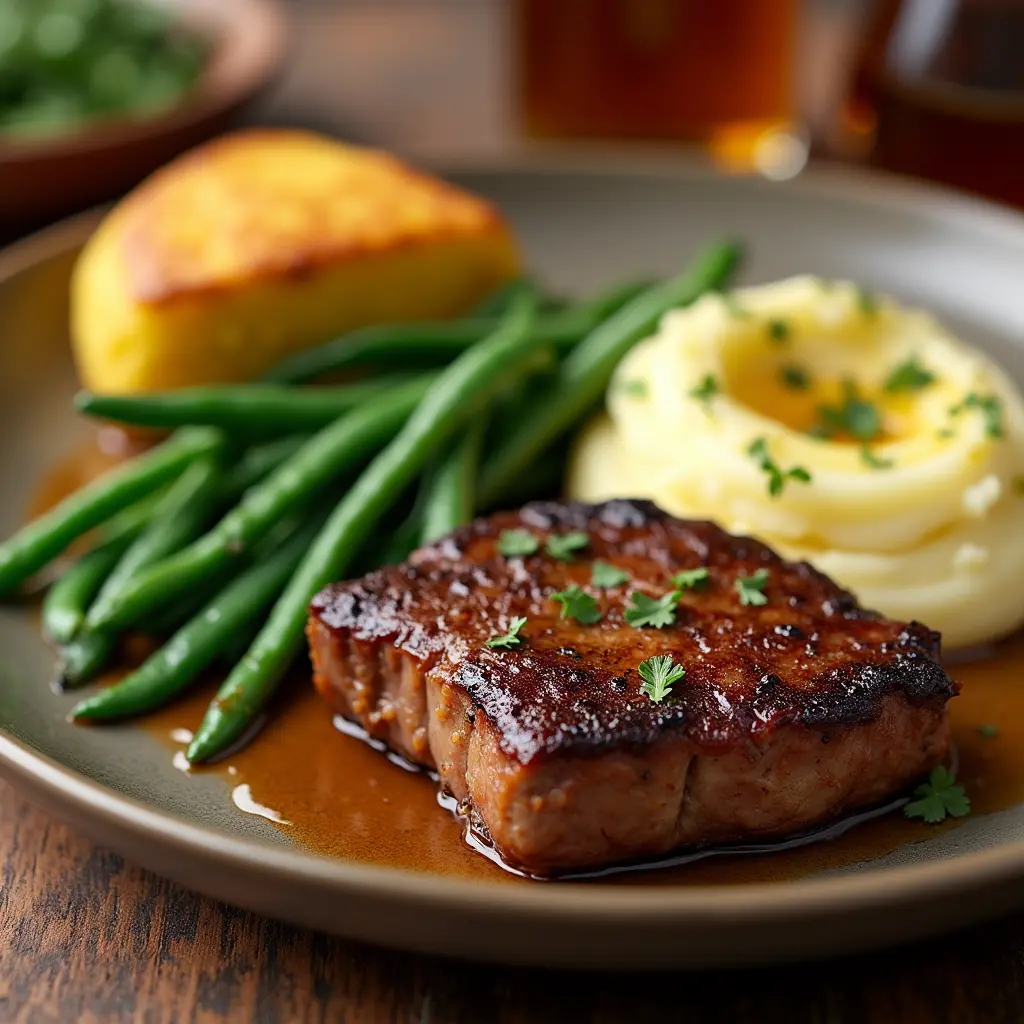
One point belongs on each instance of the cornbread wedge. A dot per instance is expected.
(266, 242)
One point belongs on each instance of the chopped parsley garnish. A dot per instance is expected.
(856, 416)
(604, 575)
(562, 546)
(658, 674)
(634, 388)
(656, 612)
(872, 461)
(512, 637)
(777, 476)
(988, 731)
(795, 377)
(577, 605)
(705, 390)
(517, 543)
(861, 417)
(778, 331)
(692, 579)
(938, 798)
(945, 433)
(867, 302)
(751, 588)
(989, 406)
(733, 306)
(909, 376)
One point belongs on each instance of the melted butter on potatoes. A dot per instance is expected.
(265, 242)
(913, 443)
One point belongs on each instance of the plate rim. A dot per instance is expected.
(755, 902)
(748, 903)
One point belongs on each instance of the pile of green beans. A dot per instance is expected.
(36, 545)
(154, 527)
(67, 601)
(266, 492)
(326, 455)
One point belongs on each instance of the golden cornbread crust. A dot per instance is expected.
(279, 204)
(264, 243)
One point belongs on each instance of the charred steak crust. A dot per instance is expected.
(811, 655)
(789, 713)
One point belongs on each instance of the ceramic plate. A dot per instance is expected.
(583, 224)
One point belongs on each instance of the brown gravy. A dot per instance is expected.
(109, 447)
(336, 795)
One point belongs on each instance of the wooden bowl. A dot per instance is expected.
(43, 179)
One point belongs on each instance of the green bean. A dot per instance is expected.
(451, 494)
(180, 517)
(460, 394)
(423, 343)
(323, 458)
(438, 343)
(397, 535)
(67, 600)
(234, 650)
(586, 371)
(402, 541)
(498, 303)
(85, 657)
(89, 652)
(44, 538)
(605, 304)
(200, 641)
(256, 410)
(130, 520)
(256, 463)
(169, 619)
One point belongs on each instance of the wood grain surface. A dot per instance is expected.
(85, 936)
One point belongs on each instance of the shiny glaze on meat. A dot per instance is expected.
(810, 655)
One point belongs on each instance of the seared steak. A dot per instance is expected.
(790, 713)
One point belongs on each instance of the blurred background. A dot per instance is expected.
(94, 94)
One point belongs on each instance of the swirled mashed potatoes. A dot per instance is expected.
(840, 428)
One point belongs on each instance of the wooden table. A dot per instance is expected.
(85, 936)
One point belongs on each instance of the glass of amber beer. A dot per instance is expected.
(718, 72)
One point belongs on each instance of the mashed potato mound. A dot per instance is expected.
(839, 428)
